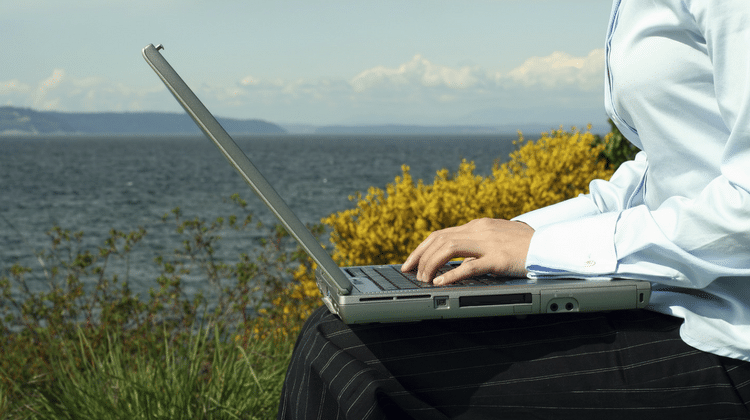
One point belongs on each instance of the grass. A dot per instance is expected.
(87, 347)
(190, 376)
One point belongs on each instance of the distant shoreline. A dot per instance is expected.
(16, 122)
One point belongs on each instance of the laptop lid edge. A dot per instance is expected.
(216, 133)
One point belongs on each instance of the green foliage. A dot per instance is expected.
(387, 224)
(67, 269)
(88, 347)
(198, 376)
(617, 149)
(88, 329)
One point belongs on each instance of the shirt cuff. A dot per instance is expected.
(579, 248)
(570, 209)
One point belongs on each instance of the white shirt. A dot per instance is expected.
(677, 85)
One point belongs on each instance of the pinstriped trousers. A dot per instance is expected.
(616, 365)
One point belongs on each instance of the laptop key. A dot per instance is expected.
(471, 282)
(379, 279)
(396, 277)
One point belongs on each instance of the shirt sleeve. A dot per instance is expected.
(574, 238)
(685, 242)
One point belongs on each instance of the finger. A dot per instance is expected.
(469, 268)
(413, 259)
(440, 255)
(417, 255)
(440, 245)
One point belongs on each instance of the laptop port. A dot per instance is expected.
(441, 302)
(562, 304)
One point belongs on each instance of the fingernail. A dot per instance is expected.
(439, 280)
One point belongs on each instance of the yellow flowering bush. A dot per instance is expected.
(556, 167)
(292, 305)
(387, 224)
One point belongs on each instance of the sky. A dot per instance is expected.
(317, 62)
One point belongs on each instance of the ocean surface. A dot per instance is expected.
(96, 183)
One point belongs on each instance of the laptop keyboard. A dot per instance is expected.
(391, 278)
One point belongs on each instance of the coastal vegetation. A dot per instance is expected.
(86, 346)
(386, 224)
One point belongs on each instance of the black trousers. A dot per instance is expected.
(616, 365)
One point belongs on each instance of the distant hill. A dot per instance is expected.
(398, 129)
(27, 121)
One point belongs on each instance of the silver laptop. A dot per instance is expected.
(381, 293)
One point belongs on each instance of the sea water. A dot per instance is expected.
(96, 183)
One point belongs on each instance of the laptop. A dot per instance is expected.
(382, 293)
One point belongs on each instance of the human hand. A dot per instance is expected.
(489, 246)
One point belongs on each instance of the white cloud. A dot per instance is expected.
(60, 92)
(558, 70)
(249, 81)
(418, 71)
(88, 82)
(13, 86)
(52, 81)
(416, 91)
(40, 100)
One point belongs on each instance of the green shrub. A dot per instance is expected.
(617, 149)
(88, 329)
(196, 376)
(387, 224)
(101, 351)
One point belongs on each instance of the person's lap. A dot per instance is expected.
(622, 364)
